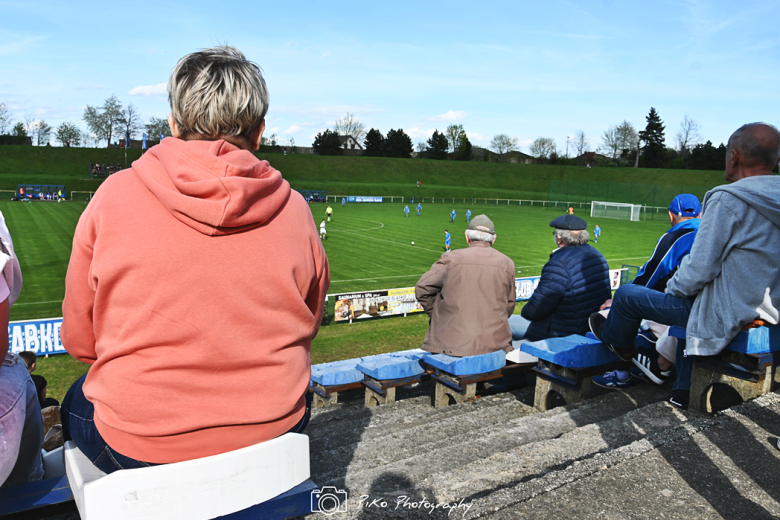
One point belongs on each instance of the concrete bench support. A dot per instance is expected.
(748, 365)
(464, 388)
(566, 366)
(379, 392)
(329, 395)
(704, 378)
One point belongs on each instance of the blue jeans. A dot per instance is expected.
(78, 425)
(633, 303)
(21, 424)
(519, 326)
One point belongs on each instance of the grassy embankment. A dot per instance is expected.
(354, 175)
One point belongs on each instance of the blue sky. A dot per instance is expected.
(527, 69)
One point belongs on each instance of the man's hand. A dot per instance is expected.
(606, 305)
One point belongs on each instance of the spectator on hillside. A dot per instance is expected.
(30, 359)
(672, 247)
(729, 280)
(573, 285)
(468, 295)
(21, 423)
(213, 294)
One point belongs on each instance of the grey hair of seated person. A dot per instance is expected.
(572, 238)
(480, 236)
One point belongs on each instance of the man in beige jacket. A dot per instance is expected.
(469, 294)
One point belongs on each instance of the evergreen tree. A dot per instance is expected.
(327, 143)
(437, 146)
(374, 143)
(398, 144)
(464, 150)
(19, 130)
(653, 135)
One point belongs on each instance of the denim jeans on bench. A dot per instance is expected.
(78, 425)
(633, 303)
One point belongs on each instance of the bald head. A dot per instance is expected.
(754, 149)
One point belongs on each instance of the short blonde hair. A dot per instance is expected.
(217, 92)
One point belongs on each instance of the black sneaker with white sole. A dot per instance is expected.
(680, 398)
(647, 362)
(596, 324)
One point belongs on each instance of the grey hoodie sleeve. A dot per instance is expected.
(718, 233)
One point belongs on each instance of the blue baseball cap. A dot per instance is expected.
(685, 205)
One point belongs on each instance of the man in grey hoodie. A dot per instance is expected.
(730, 277)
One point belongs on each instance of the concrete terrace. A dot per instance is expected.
(619, 455)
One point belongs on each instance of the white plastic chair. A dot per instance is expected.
(197, 489)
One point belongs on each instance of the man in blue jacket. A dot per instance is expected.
(672, 247)
(573, 285)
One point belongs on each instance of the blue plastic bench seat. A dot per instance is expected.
(396, 365)
(337, 373)
(465, 366)
(571, 351)
(759, 340)
(345, 372)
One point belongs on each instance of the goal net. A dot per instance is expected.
(617, 210)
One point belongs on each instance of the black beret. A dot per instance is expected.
(570, 222)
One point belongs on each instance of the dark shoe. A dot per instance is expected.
(647, 362)
(680, 398)
(611, 381)
(596, 323)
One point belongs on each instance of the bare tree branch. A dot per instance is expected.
(350, 125)
(502, 143)
(688, 136)
(543, 147)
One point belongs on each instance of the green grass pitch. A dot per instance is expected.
(368, 246)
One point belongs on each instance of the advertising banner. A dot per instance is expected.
(399, 302)
(39, 336)
(364, 199)
(375, 304)
(525, 287)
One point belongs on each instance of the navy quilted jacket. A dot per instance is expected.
(574, 284)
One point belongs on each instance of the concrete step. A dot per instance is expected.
(357, 448)
(619, 455)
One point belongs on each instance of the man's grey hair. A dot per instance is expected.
(480, 236)
(217, 91)
(572, 238)
(753, 147)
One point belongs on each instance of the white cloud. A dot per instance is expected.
(450, 115)
(473, 136)
(419, 132)
(159, 89)
(293, 129)
(273, 130)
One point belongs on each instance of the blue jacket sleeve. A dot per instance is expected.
(666, 258)
(552, 287)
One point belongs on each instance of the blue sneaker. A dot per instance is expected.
(611, 381)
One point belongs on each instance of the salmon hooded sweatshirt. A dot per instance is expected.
(195, 286)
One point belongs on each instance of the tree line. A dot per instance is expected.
(623, 145)
(108, 122)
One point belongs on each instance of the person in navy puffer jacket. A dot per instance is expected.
(574, 284)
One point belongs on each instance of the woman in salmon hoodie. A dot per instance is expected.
(195, 286)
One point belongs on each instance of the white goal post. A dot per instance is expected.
(619, 210)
